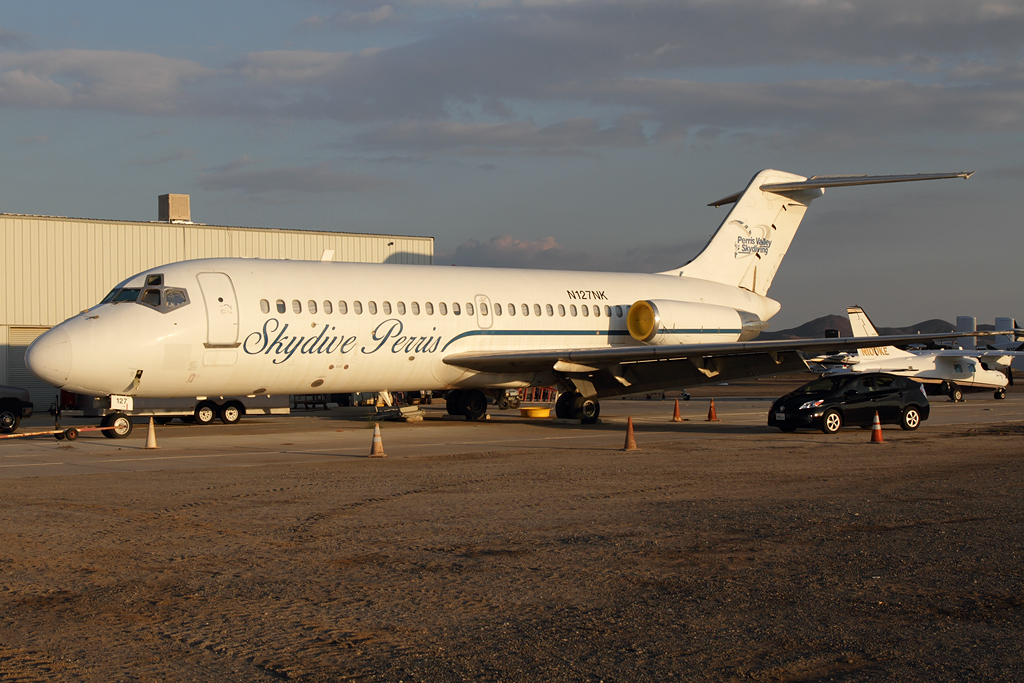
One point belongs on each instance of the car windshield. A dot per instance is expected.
(822, 384)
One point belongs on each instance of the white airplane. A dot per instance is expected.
(945, 371)
(213, 328)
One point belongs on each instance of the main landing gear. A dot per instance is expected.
(572, 406)
(469, 402)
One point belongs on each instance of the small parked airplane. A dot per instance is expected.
(213, 328)
(945, 371)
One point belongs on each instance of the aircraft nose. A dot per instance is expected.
(49, 357)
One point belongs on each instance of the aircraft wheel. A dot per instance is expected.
(231, 412)
(121, 423)
(586, 410)
(206, 411)
(453, 399)
(956, 393)
(831, 422)
(911, 418)
(1000, 393)
(564, 405)
(474, 404)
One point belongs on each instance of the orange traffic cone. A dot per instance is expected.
(151, 436)
(712, 415)
(377, 447)
(876, 430)
(675, 413)
(630, 440)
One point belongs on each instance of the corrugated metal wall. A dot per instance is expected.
(55, 267)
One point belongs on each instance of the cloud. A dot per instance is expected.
(296, 180)
(505, 251)
(14, 40)
(470, 76)
(476, 138)
(125, 81)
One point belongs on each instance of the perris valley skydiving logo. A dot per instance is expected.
(754, 240)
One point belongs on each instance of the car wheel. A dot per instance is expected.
(231, 412)
(10, 418)
(831, 421)
(206, 411)
(911, 418)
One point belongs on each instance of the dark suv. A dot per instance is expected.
(14, 405)
(834, 401)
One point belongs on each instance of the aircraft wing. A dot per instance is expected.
(633, 369)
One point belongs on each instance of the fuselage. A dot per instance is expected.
(932, 368)
(219, 327)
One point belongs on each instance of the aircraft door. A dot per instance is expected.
(483, 312)
(221, 309)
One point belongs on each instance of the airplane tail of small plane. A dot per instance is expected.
(862, 326)
(749, 245)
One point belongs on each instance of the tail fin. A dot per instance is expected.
(862, 326)
(748, 246)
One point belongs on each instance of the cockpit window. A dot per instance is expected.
(154, 280)
(151, 297)
(127, 294)
(173, 298)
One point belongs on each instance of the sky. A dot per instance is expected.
(576, 134)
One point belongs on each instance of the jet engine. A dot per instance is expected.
(663, 321)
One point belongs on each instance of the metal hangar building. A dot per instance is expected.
(55, 267)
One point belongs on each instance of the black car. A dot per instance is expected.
(834, 401)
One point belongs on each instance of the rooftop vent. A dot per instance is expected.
(174, 208)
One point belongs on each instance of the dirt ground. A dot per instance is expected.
(794, 558)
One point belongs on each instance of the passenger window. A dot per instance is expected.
(511, 309)
(296, 306)
(607, 311)
(371, 307)
(155, 280)
(264, 306)
(401, 308)
(536, 309)
(585, 310)
(526, 309)
(343, 307)
(597, 311)
(572, 310)
(550, 309)
(311, 306)
(561, 310)
(456, 310)
(386, 307)
(357, 307)
(328, 309)
(151, 297)
(415, 307)
(430, 308)
(483, 309)
(175, 297)
(280, 306)
(469, 309)
(883, 383)
(618, 311)
(442, 308)
(497, 309)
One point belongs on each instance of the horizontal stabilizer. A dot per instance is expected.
(823, 181)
